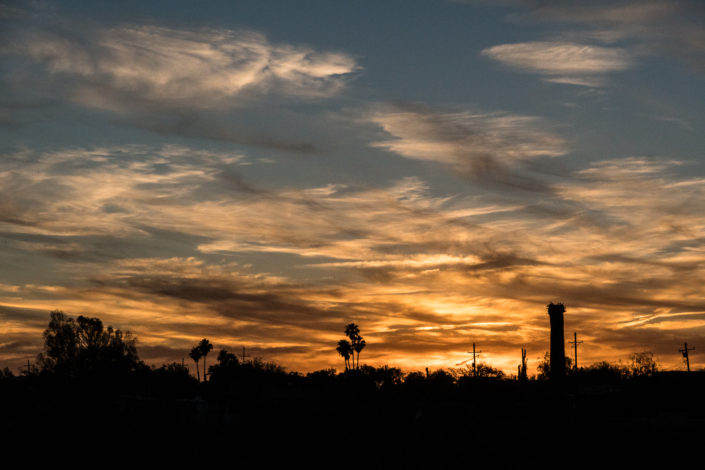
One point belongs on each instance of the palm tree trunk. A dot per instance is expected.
(204, 368)
(198, 372)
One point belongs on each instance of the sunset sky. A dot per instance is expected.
(263, 173)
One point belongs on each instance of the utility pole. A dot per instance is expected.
(575, 344)
(474, 355)
(244, 355)
(685, 354)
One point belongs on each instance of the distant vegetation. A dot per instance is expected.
(84, 347)
(90, 384)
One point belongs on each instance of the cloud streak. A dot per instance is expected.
(486, 147)
(651, 27)
(149, 66)
(562, 62)
(227, 85)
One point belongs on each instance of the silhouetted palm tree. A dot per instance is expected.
(344, 349)
(205, 347)
(352, 331)
(196, 355)
(359, 346)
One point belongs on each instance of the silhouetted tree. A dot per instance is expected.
(544, 366)
(84, 346)
(643, 364)
(225, 370)
(384, 376)
(205, 347)
(6, 374)
(322, 375)
(481, 370)
(173, 380)
(414, 377)
(441, 377)
(226, 360)
(175, 369)
(196, 355)
(345, 349)
(604, 372)
(389, 376)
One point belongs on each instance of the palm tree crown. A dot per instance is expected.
(196, 355)
(344, 349)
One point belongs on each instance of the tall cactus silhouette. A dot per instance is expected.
(522, 367)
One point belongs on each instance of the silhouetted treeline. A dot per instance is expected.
(90, 389)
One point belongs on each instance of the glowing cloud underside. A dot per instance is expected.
(131, 235)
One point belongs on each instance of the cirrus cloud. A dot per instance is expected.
(131, 66)
(645, 27)
(481, 146)
(562, 62)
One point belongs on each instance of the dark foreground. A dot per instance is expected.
(354, 421)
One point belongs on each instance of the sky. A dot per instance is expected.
(263, 173)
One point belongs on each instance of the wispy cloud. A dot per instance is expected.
(645, 27)
(228, 85)
(149, 66)
(562, 62)
(484, 146)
